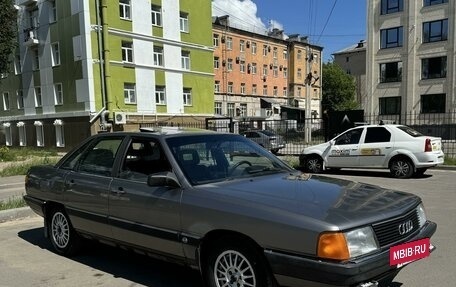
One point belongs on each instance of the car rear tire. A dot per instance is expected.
(64, 238)
(236, 264)
(314, 164)
(401, 168)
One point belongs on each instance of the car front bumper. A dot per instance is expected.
(292, 270)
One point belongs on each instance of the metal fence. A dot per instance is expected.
(294, 132)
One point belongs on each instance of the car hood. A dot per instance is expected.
(321, 147)
(333, 202)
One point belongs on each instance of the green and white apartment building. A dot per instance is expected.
(86, 66)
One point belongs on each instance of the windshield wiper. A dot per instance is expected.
(260, 169)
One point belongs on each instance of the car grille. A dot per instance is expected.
(387, 232)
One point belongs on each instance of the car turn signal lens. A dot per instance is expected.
(333, 246)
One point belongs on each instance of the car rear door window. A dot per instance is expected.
(349, 137)
(377, 135)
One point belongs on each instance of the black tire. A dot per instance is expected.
(314, 164)
(401, 168)
(246, 268)
(65, 240)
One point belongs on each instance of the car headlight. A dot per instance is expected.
(421, 215)
(346, 245)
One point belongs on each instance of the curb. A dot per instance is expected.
(16, 213)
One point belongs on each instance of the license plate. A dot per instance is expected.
(406, 253)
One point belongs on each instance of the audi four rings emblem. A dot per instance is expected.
(405, 227)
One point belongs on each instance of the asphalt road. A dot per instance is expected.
(26, 258)
(11, 187)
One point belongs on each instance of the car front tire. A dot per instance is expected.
(237, 265)
(314, 164)
(401, 168)
(63, 237)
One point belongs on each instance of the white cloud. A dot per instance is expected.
(243, 15)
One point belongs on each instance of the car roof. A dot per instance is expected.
(162, 132)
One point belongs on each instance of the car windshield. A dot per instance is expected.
(268, 133)
(410, 131)
(219, 157)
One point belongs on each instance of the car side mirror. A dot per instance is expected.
(163, 179)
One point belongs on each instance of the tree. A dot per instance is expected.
(338, 89)
(8, 32)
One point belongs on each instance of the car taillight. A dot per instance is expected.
(428, 145)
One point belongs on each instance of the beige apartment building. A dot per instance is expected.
(259, 76)
(411, 65)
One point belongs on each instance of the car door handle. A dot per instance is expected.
(70, 184)
(119, 190)
(387, 147)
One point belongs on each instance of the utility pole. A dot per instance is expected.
(308, 84)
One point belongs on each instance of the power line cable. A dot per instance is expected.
(327, 21)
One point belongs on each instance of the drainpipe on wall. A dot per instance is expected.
(106, 76)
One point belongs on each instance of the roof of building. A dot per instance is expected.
(360, 46)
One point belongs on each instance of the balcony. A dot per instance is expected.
(30, 37)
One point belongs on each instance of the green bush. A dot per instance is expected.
(22, 168)
(5, 154)
(11, 203)
(22, 153)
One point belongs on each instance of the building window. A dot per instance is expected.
(20, 99)
(183, 20)
(275, 91)
(242, 46)
(216, 62)
(36, 59)
(392, 6)
(39, 133)
(265, 70)
(243, 110)
(299, 73)
(217, 108)
(254, 48)
(187, 94)
(230, 88)
(8, 134)
(274, 53)
(435, 31)
(52, 11)
(299, 56)
(55, 54)
(127, 51)
(124, 9)
(217, 87)
(242, 88)
(285, 54)
(17, 65)
(229, 43)
(185, 59)
(22, 134)
(58, 94)
(38, 102)
(285, 91)
(434, 2)
(391, 38)
(433, 68)
(390, 105)
(299, 92)
(254, 89)
(129, 93)
(156, 15)
(242, 66)
(254, 68)
(285, 72)
(215, 40)
(230, 64)
(158, 56)
(160, 95)
(391, 72)
(265, 90)
(265, 50)
(434, 103)
(230, 109)
(275, 71)
(59, 133)
(6, 102)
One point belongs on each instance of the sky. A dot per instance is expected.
(331, 24)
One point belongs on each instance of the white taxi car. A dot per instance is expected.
(401, 149)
